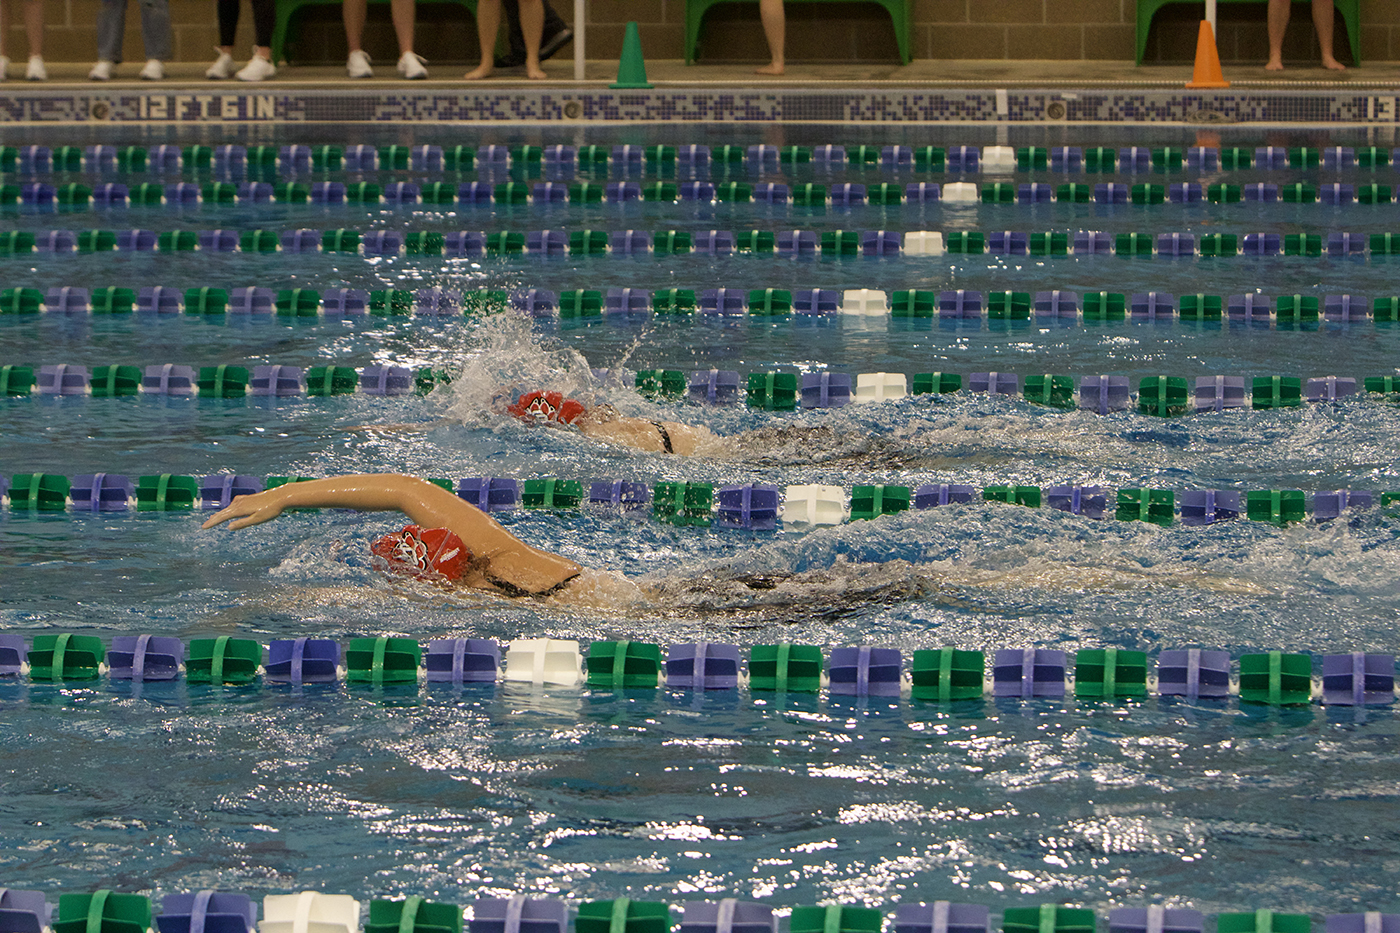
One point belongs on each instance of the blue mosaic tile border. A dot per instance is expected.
(26, 106)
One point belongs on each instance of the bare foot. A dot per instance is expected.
(1329, 62)
(1275, 64)
(776, 68)
(534, 72)
(480, 71)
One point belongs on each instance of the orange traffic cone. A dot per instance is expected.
(1207, 73)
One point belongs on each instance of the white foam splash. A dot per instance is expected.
(506, 356)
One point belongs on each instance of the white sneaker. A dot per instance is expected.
(4, 67)
(102, 71)
(411, 66)
(257, 69)
(357, 65)
(222, 68)
(36, 70)
(154, 70)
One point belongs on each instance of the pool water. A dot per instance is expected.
(666, 795)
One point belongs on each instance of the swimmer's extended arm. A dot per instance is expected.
(508, 559)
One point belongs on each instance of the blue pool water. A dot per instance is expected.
(661, 794)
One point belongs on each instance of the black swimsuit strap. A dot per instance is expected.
(510, 589)
(665, 436)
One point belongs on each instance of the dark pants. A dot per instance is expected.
(516, 38)
(264, 19)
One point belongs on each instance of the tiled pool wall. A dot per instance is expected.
(203, 105)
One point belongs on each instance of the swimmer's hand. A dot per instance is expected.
(248, 510)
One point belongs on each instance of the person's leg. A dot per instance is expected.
(775, 30)
(111, 26)
(156, 34)
(227, 11)
(556, 34)
(4, 28)
(34, 26)
(410, 64)
(156, 38)
(488, 23)
(352, 13)
(532, 26)
(402, 11)
(1322, 21)
(264, 24)
(260, 67)
(1279, 11)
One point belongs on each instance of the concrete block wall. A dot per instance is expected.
(842, 32)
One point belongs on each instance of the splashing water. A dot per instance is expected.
(508, 358)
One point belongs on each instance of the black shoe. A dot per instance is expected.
(554, 43)
(511, 59)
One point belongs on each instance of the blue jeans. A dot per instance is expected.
(155, 29)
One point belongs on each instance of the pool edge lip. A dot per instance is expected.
(1298, 103)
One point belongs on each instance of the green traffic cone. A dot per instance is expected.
(631, 69)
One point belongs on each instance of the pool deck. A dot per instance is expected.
(972, 92)
(676, 74)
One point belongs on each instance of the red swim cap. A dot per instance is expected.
(547, 406)
(418, 551)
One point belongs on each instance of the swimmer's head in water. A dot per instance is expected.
(421, 552)
(547, 406)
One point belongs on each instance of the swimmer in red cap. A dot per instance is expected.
(449, 537)
(602, 422)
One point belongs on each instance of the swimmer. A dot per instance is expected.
(449, 538)
(784, 444)
(454, 542)
(602, 422)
